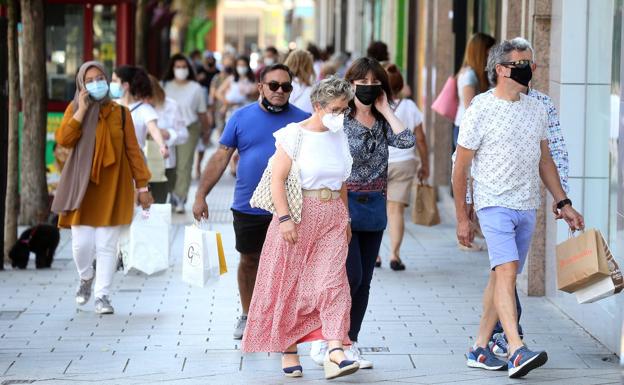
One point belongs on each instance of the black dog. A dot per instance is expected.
(41, 240)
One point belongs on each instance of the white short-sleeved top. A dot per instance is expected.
(190, 97)
(324, 158)
(409, 114)
(300, 96)
(142, 113)
(466, 77)
(506, 139)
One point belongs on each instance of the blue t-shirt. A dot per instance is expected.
(250, 130)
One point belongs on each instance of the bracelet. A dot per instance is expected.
(349, 220)
(284, 218)
(142, 189)
(563, 203)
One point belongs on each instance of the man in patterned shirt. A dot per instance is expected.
(503, 135)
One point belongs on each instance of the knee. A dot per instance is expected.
(506, 274)
(249, 261)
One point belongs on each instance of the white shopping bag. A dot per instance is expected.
(203, 258)
(144, 245)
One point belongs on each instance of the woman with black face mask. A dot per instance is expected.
(370, 127)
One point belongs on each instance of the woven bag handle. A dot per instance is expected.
(298, 144)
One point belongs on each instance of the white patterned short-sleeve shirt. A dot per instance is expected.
(506, 139)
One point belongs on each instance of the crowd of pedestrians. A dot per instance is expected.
(350, 129)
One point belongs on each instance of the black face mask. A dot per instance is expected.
(229, 70)
(521, 75)
(367, 94)
(272, 108)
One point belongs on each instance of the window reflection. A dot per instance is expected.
(104, 26)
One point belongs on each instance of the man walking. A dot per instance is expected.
(250, 131)
(504, 136)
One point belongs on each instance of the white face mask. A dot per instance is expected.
(242, 71)
(180, 73)
(269, 61)
(333, 122)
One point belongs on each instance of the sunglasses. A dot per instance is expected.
(517, 64)
(274, 86)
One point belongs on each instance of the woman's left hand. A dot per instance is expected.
(164, 151)
(145, 199)
(381, 104)
(349, 233)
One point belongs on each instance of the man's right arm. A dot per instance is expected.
(214, 170)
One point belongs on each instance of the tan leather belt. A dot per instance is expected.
(323, 194)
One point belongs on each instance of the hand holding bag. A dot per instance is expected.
(262, 197)
(425, 208)
(447, 102)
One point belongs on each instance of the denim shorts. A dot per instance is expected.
(507, 233)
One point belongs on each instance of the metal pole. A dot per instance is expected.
(4, 128)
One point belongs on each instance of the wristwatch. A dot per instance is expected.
(563, 203)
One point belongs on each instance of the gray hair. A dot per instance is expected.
(330, 89)
(500, 53)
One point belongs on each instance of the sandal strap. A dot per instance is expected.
(295, 352)
(334, 349)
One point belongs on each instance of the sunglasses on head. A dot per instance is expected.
(518, 63)
(274, 86)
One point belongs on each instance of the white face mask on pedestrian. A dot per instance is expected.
(333, 122)
(181, 73)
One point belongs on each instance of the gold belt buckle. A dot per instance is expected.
(325, 194)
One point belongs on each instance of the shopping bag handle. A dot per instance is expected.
(571, 233)
(203, 223)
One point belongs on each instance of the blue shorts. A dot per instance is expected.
(507, 233)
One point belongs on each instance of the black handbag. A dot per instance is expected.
(367, 210)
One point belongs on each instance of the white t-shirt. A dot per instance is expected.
(409, 114)
(300, 96)
(142, 113)
(324, 158)
(170, 118)
(466, 77)
(506, 139)
(190, 98)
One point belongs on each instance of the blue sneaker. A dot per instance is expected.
(498, 345)
(524, 360)
(483, 358)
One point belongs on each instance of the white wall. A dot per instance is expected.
(580, 83)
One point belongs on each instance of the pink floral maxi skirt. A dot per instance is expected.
(303, 287)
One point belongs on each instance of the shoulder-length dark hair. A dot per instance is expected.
(358, 71)
(250, 74)
(169, 73)
(136, 77)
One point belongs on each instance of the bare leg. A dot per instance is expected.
(247, 270)
(338, 355)
(489, 316)
(396, 225)
(505, 302)
(289, 360)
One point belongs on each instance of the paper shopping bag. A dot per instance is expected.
(144, 245)
(606, 286)
(581, 261)
(425, 207)
(203, 256)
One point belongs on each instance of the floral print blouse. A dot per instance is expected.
(369, 149)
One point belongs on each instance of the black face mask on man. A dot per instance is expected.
(367, 94)
(521, 75)
(272, 108)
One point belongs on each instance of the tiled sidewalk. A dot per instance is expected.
(419, 324)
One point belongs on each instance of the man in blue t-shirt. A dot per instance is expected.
(250, 131)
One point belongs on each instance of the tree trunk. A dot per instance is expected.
(12, 202)
(34, 191)
(140, 30)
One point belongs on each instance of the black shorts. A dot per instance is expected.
(250, 231)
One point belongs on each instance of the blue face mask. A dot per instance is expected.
(116, 91)
(97, 89)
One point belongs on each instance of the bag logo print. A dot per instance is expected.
(575, 258)
(192, 253)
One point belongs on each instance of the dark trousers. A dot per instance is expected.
(363, 251)
(160, 190)
(499, 328)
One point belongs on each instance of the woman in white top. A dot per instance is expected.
(302, 286)
(472, 78)
(403, 167)
(131, 87)
(180, 85)
(171, 124)
(238, 89)
(300, 63)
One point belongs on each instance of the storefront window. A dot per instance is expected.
(64, 48)
(104, 33)
(616, 147)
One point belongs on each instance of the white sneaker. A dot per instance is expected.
(353, 354)
(318, 351)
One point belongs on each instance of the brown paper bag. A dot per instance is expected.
(605, 287)
(581, 261)
(425, 208)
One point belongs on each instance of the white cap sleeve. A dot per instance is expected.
(287, 138)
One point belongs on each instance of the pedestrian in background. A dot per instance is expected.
(131, 88)
(171, 124)
(238, 89)
(270, 56)
(215, 105)
(371, 127)
(301, 63)
(250, 131)
(302, 283)
(180, 85)
(96, 193)
(378, 50)
(403, 167)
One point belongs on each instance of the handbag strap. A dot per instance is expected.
(298, 144)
